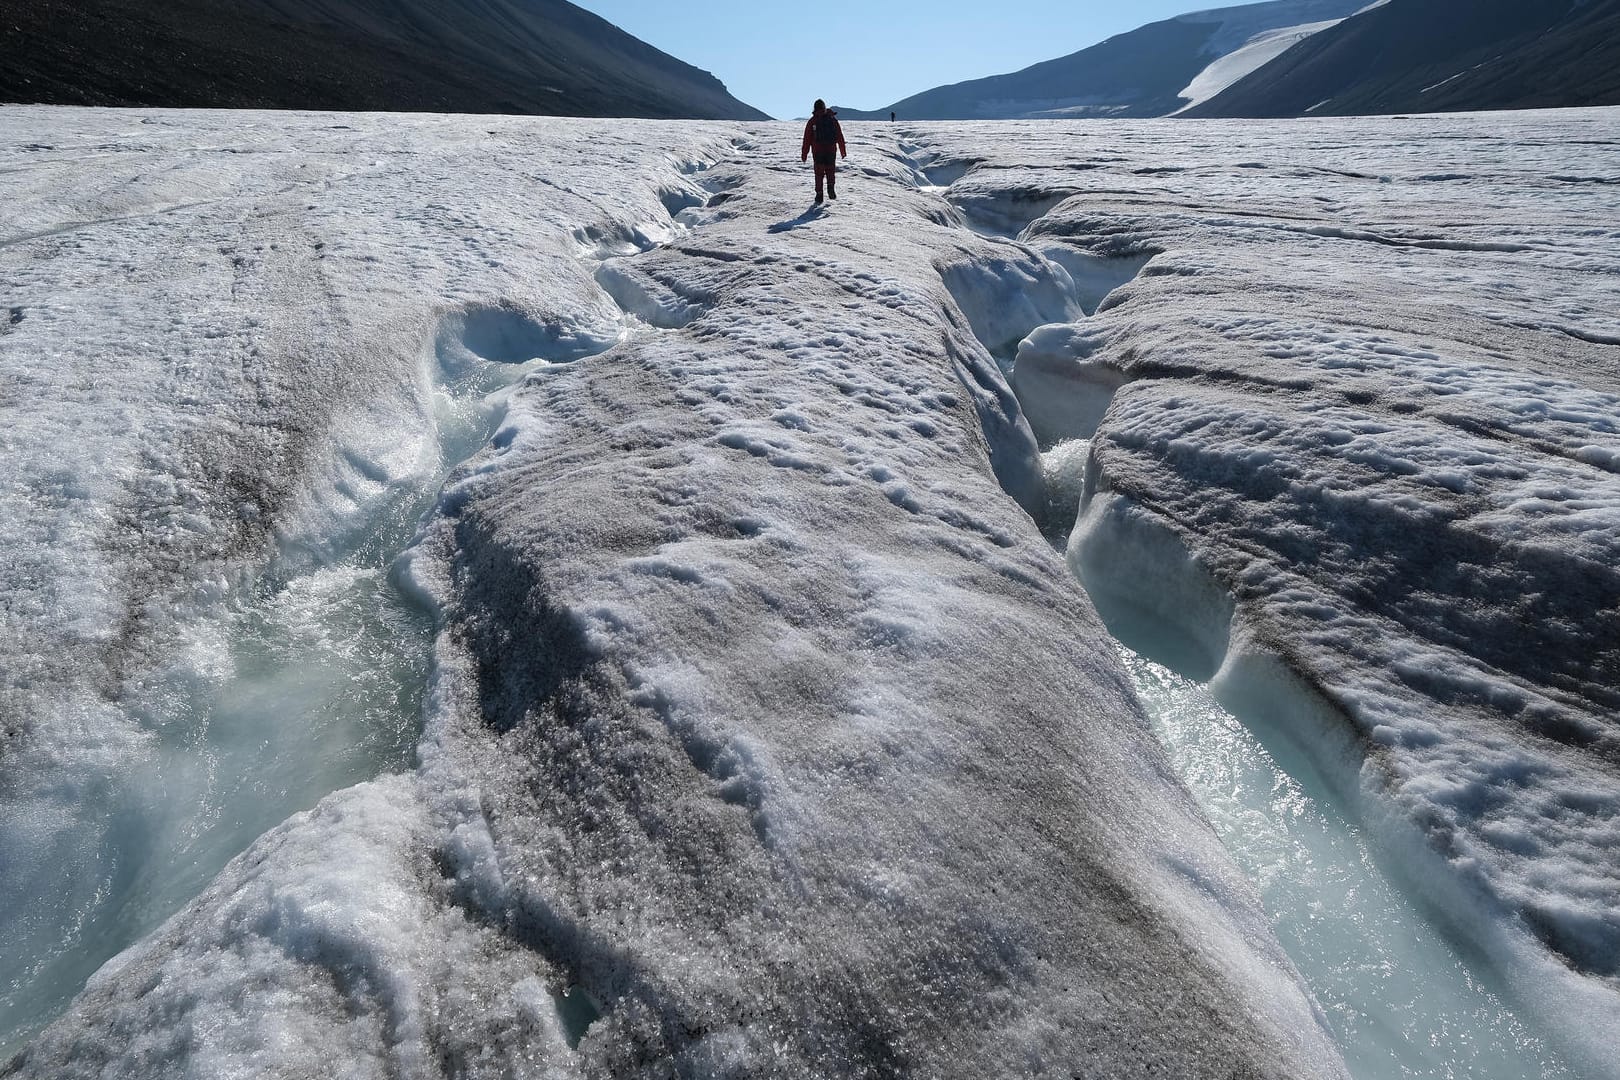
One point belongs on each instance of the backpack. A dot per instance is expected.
(827, 128)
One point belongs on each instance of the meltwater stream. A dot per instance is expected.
(309, 683)
(1403, 1001)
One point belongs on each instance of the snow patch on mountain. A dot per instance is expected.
(1242, 26)
(1251, 55)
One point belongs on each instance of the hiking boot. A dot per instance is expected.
(818, 198)
(831, 194)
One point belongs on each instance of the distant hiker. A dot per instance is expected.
(891, 118)
(823, 135)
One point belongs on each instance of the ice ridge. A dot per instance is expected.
(1351, 449)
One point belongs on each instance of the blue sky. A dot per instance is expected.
(780, 56)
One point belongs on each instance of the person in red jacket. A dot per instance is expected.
(823, 135)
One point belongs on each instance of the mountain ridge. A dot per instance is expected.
(1290, 58)
(478, 56)
(1139, 73)
(1440, 56)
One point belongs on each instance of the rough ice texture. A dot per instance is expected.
(768, 735)
(1364, 453)
(219, 360)
(335, 946)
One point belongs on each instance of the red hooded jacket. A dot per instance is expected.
(823, 147)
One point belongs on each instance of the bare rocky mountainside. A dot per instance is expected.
(1135, 74)
(1312, 57)
(485, 56)
(1441, 56)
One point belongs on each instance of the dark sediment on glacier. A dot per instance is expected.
(769, 735)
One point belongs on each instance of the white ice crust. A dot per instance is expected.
(767, 734)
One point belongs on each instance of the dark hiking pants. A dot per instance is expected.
(826, 168)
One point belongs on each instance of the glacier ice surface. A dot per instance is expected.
(766, 734)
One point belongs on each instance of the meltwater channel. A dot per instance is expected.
(308, 682)
(1402, 1000)
(342, 651)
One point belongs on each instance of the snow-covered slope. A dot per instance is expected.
(1140, 73)
(1253, 54)
(767, 733)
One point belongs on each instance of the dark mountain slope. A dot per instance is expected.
(1139, 73)
(1439, 56)
(506, 56)
(1134, 74)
